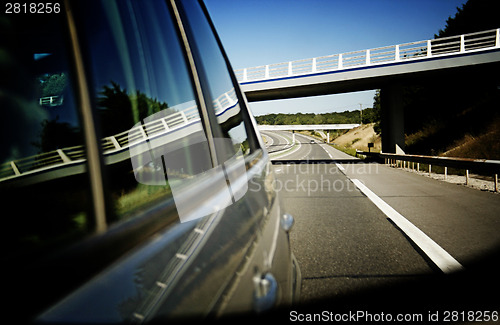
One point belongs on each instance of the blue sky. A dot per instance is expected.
(259, 32)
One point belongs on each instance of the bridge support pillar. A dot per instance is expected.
(393, 135)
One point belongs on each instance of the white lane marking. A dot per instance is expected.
(181, 256)
(161, 284)
(272, 141)
(324, 148)
(339, 166)
(282, 138)
(307, 154)
(436, 253)
(287, 151)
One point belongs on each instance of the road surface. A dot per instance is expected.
(373, 235)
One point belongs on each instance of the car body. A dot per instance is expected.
(137, 184)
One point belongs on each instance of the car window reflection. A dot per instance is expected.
(224, 101)
(144, 97)
(42, 154)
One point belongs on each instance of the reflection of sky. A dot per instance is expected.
(238, 134)
(212, 59)
(139, 50)
(183, 106)
(39, 56)
(214, 64)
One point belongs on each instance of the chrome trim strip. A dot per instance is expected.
(197, 83)
(91, 141)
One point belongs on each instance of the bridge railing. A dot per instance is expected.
(393, 53)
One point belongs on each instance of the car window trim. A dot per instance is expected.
(245, 112)
(196, 81)
(92, 144)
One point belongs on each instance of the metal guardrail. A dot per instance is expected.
(395, 53)
(482, 166)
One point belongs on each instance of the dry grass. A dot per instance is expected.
(473, 132)
(358, 138)
(485, 146)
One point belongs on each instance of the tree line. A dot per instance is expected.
(367, 115)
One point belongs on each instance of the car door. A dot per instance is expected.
(150, 194)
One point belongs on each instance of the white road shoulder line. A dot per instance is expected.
(329, 154)
(436, 253)
(339, 166)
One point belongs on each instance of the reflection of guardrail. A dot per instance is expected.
(482, 166)
(40, 161)
(394, 53)
(51, 101)
(146, 130)
(114, 143)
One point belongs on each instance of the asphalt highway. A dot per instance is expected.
(373, 236)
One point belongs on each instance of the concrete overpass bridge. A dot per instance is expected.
(475, 55)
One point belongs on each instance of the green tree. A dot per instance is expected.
(57, 135)
(53, 84)
(473, 16)
(280, 119)
(318, 119)
(115, 110)
(445, 109)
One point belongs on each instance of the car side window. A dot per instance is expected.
(44, 184)
(221, 91)
(152, 133)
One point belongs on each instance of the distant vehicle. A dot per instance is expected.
(312, 141)
(134, 182)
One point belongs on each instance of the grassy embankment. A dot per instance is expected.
(472, 133)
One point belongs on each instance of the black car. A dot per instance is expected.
(135, 185)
